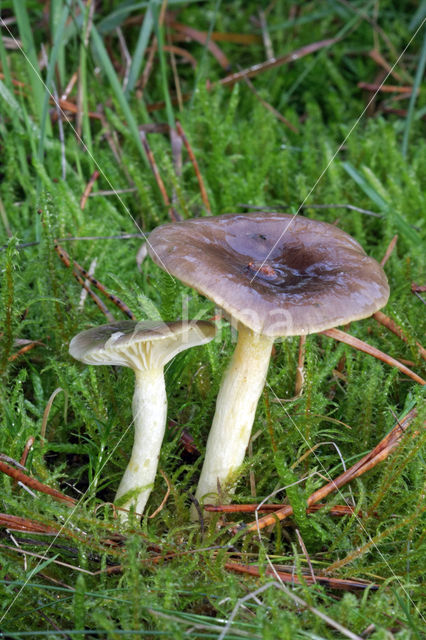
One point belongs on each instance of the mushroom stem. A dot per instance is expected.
(236, 405)
(149, 407)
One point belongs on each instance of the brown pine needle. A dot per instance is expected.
(236, 38)
(291, 578)
(385, 88)
(88, 189)
(67, 105)
(28, 446)
(120, 236)
(306, 554)
(379, 453)
(164, 500)
(32, 483)
(16, 83)
(300, 371)
(24, 349)
(203, 38)
(47, 409)
(388, 252)
(172, 50)
(387, 322)
(250, 72)
(70, 86)
(82, 274)
(149, 65)
(183, 53)
(269, 106)
(16, 523)
(336, 510)
(195, 165)
(96, 299)
(172, 213)
(351, 207)
(380, 60)
(341, 336)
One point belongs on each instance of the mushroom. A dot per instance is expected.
(145, 347)
(274, 275)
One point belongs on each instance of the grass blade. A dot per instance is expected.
(117, 89)
(4, 64)
(408, 615)
(163, 67)
(49, 78)
(28, 46)
(138, 55)
(418, 16)
(410, 233)
(83, 122)
(416, 86)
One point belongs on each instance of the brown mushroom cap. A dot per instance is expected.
(139, 345)
(278, 274)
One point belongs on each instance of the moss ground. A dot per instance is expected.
(172, 580)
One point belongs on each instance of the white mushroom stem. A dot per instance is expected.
(236, 405)
(149, 415)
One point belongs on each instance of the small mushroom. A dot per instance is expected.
(145, 347)
(274, 275)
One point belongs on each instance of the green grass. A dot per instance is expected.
(247, 158)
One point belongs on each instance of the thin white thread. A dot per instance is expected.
(80, 139)
(66, 521)
(339, 492)
(339, 148)
(67, 120)
(301, 603)
(2, 23)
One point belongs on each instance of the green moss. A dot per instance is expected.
(172, 579)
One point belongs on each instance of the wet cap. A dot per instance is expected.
(139, 345)
(278, 274)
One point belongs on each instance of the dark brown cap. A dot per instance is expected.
(278, 274)
(139, 345)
